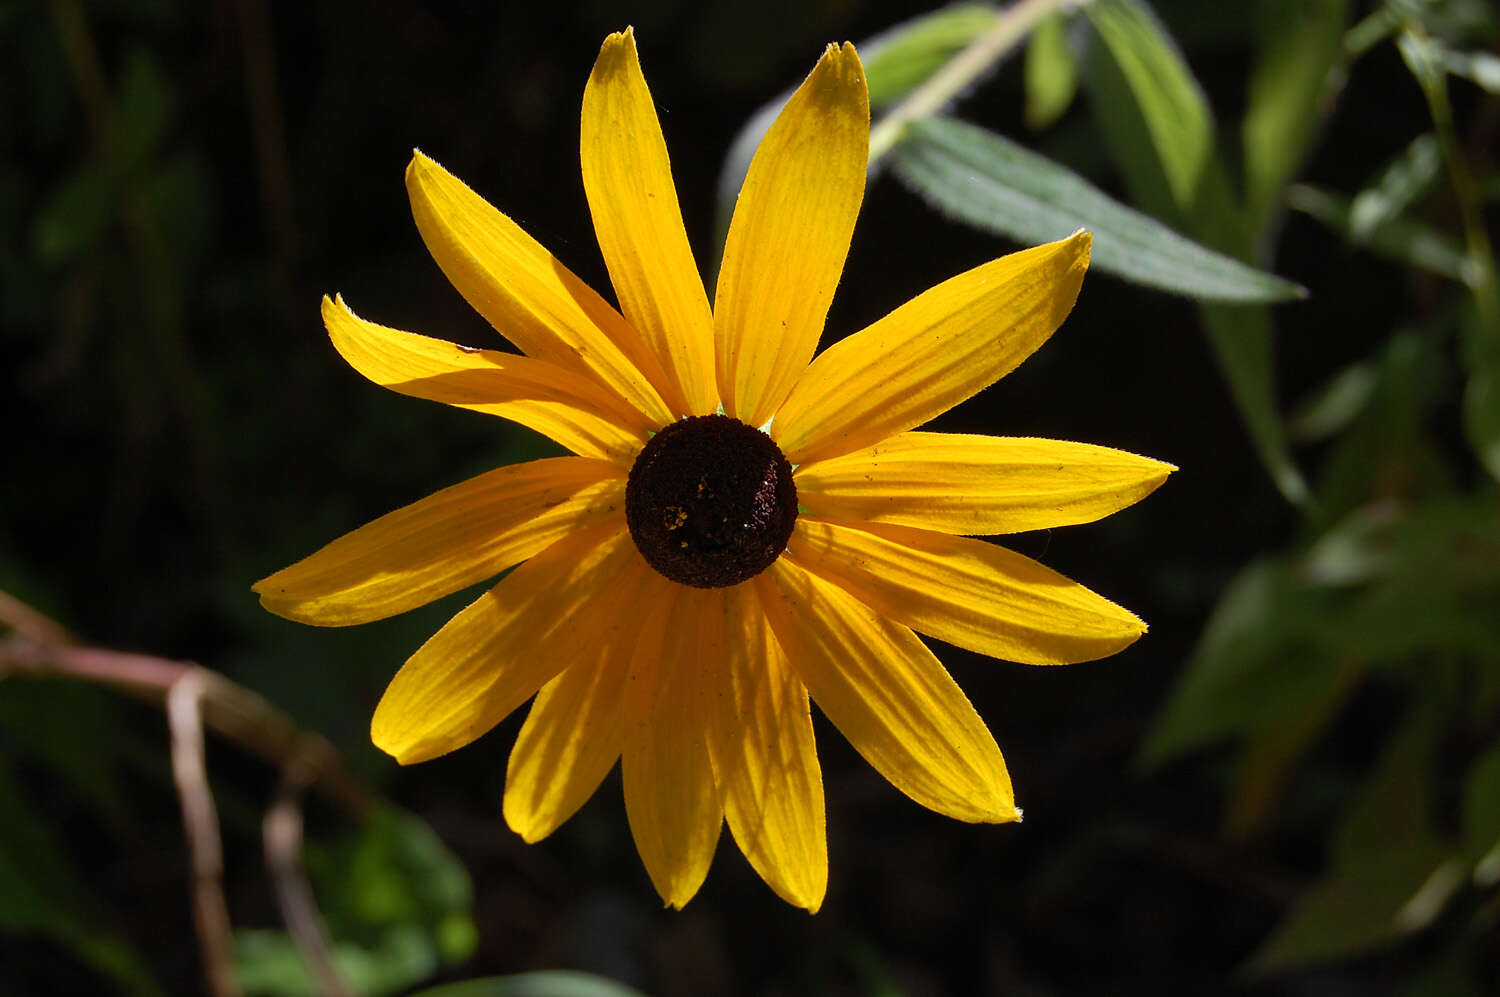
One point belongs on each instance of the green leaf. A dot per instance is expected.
(1389, 875)
(1402, 239)
(1482, 416)
(1300, 54)
(1051, 73)
(1481, 68)
(146, 105)
(1423, 58)
(1241, 338)
(900, 59)
(1481, 817)
(896, 62)
(75, 215)
(268, 964)
(1171, 105)
(1386, 443)
(397, 904)
(1335, 405)
(1406, 178)
(399, 871)
(1159, 129)
(1255, 668)
(1437, 599)
(1456, 21)
(546, 983)
(994, 184)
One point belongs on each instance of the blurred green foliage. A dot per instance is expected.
(1327, 672)
(397, 905)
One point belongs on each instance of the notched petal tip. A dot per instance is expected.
(1082, 243)
(617, 45)
(841, 64)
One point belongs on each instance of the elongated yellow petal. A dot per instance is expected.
(789, 237)
(546, 615)
(526, 294)
(554, 401)
(967, 592)
(573, 734)
(446, 542)
(931, 353)
(670, 798)
(760, 738)
(887, 693)
(977, 484)
(628, 180)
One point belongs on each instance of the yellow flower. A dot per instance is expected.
(740, 527)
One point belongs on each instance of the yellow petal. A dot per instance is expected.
(446, 542)
(556, 402)
(670, 799)
(966, 592)
(526, 294)
(573, 734)
(542, 617)
(789, 236)
(761, 743)
(628, 180)
(977, 484)
(925, 357)
(888, 695)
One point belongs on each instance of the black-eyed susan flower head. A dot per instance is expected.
(741, 526)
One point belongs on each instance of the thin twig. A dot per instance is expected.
(1011, 27)
(282, 833)
(201, 821)
(21, 618)
(229, 710)
(195, 698)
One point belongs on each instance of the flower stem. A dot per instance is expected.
(1480, 274)
(1011, 25)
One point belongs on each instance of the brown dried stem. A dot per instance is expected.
(201, 822)
(194, 698)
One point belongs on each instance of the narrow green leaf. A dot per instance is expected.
(1423, 58)
(1390, 873)
(1158, 126)
(1482, 414)
(1481, 68)
(1299, 57)
(1241, 338)
(1253, 669)
(1401, 239)
(1404, 179)
(994, 184)
(1335, 405)
(900, 59)
(1481, 816)
(74, 216)
(1051, 73)
(1170, 102)
(1455, 21)
(146, 105)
